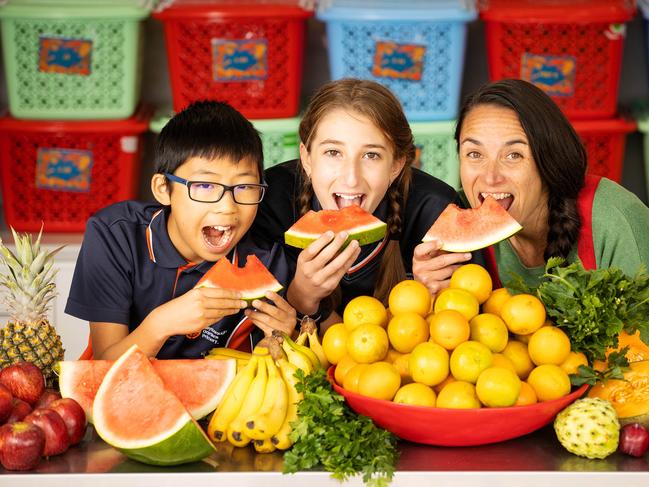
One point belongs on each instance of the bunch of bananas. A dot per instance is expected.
(261, 402)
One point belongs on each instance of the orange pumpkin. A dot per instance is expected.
(638, 350)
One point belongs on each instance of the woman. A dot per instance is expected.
(517, 146)
(356, 149)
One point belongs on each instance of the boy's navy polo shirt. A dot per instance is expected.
(128, 266)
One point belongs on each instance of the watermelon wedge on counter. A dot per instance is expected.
(252, 281)
(199, 384)
(462, 230)
(358, 223)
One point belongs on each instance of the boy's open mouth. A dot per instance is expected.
(217, 237)
(504, 199)
(343, 200)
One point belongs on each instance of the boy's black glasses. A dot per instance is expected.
(209, 192)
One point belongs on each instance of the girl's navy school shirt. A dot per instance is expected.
(128, 266)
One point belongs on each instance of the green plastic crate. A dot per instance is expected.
(436, 150)
(71, 60)
(279, 136)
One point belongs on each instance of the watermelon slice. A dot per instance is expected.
(252, 281)
(137, 414)
(472, 229)
(199, 384)
(358, 223)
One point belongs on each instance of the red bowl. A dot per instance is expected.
(455, 427)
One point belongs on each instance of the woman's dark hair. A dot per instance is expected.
(378, 104)
(211, 130)
(557, 150)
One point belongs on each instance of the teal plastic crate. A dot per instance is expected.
(279, 136)
(69, 60)
(436, 150)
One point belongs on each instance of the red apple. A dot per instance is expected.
(48, 396)
(21, 446)
(20, 410)
(73, 416)
(6, 403)
(57, 439)
(24, 380)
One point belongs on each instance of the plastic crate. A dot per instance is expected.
(60, 173)
(642, 119)
(246, 52)
(69, 60)
(436, 150)
(572, 49)
(604, 141)
(279, 137)
(414, 47)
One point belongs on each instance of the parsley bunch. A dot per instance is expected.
(593, 306)
(329, 434)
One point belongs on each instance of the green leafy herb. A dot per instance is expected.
(594, 306)
(616, 366)
(329, 434)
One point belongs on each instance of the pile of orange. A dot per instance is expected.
(469, 347)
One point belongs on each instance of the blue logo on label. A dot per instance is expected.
(63, 169)
(239, 60)
(553, 74)
(64, 57)
(397, 61)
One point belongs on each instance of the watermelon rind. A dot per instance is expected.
(182, 442)
(364, 234)
(470, 245)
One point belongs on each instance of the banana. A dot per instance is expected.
(301, 338)
(263, 446)
(229, 352)
(250, 405)
(270, 416)
(241, 363)
(281, 439)
(231, 402)
(297, 358)
(304, 350)
(310, 329)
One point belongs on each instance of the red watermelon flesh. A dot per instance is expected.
(199, 384)
(358, 223)
(252, 281)
(467, 230)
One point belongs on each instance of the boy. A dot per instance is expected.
(139, 262)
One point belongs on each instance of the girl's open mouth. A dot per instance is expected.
(343, 200)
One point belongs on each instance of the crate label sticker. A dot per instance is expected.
(417, 160)
(66, 56)
(400, 61)
(615, 32)
(128, 144)
(239, 60)
(553, 74)
(63, 169)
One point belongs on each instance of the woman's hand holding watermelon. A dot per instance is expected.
(320, 267)
(433, 267)
(278, 315)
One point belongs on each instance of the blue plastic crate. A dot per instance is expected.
(415, 48)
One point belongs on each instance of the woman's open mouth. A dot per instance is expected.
(343, 200)
(218, 238)
(504, 199)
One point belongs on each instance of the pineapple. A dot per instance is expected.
(28, 288)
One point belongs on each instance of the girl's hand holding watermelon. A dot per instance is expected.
(276, 316)
(433, 267)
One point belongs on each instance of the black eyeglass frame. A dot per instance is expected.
(226, 188)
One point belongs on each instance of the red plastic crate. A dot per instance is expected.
(572, 49)
(60, 173)
(604, 141)
(246, 52)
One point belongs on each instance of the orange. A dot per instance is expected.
(440, 386)
(499, 360)
(409, 296)
(416, 394)
(449, 328)
(459, 300)
(367, 344)
(406, 331)
(523, 314)
(379, 380)
(458, 395)
(573, 361)
(549, 345)
(517, 353)
(495, 301)
(527, 395)
(350, 382)
(364, 310)
(334, 343)
(549, 382)
(401, 364)
(473, 278)
(468, 361)
(526, 338)
(497, 387)
(428, 363)
(343, 366)
(490, 330)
